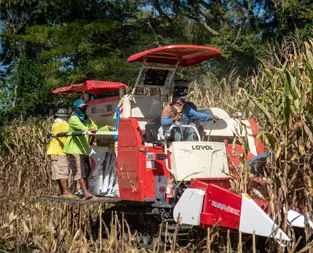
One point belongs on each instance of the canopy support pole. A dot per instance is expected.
(173, 74)
(138, 78)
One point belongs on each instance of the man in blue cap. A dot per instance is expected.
(77, 147)
(181, 112)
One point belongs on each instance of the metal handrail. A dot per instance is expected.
(165, 142)
(81, 133)
(187, 126)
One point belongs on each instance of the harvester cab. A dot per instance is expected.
(145, 171)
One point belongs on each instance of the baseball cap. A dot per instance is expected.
(82, 105)
(181, 82)
(79, 103)
(180, 92)
(62, 112)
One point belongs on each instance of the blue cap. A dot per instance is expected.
(79, 103)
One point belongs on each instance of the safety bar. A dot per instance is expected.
(188, 126)
(81, 133)
(104, 133)
(166, 154)
(165, 142)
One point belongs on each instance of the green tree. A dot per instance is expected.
(47, 44)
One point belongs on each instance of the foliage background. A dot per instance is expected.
(266, 72)
(47, 44)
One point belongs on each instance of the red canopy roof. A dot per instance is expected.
(189, 55)
(91, 86)
(66, 89)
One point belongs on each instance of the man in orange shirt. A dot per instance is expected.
(59, 164)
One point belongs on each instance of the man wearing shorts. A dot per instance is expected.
(77, 147)
(59, 164)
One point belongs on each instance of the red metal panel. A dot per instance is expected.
(130, 161)
(233, 156)
(150, 179)
(150, 175)
(201, 183)
(234, 161)
(136, 182)
(129, 186)
(221, 207)
(188, 55)
(197, 183)
(149, 185)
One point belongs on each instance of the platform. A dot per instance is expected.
(97, 200)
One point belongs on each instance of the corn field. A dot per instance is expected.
(279, 98)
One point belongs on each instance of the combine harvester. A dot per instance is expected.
(157, 180)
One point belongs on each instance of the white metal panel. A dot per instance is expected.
(222, 127)
(102, 108)
(102, 178)
(215, 111)
(254, 219)
(189, 206)
(298, 220)
(251, 142)
(102, 113)
(126, 106)
(95, 180)
(208, 159)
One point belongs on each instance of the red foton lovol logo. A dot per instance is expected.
(225, 208)
(92, 163)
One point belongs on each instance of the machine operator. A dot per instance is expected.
(181, 112)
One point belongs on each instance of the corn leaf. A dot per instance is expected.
(263, 109)
(270, 138)
(287, 103)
